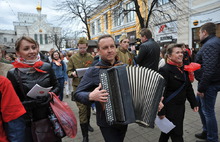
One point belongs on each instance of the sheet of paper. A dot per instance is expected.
(37, 90)
(81, 71)
(164, 124)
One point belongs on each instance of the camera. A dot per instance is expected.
(137, 43)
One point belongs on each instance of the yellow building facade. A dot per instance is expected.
(113, 19)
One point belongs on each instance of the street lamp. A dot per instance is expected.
(39, 8)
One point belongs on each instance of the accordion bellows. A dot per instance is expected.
(134, 94)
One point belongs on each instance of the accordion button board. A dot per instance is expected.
(108, 105)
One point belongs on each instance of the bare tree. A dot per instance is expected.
(154, 12)
(73, 38)
(57, 39)
(77, 10)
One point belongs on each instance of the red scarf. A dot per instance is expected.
(57, 62)
(178, 65)
(190, 68)
(37, 64)
(175, 64)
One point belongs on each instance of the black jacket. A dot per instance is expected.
(209, 58)
(149, 55)
(174, 80)
(28, 80)
(88, 83)
(174, 110)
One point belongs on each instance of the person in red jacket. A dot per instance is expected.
(12, 125)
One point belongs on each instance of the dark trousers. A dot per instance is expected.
(115, 133)
(175, 113)
(61, 86)
(175, 138)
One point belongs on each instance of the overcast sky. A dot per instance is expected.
(10, 8)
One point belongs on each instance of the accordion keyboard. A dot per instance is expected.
(108, 105)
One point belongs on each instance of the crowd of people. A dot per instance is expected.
(20, 73)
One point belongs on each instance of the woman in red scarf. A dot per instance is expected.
(178, 83)
(28, 71)
(59, 68)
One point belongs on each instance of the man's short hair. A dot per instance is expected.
(104, 36)
(146, 32)
(82, 40)
(210, 28)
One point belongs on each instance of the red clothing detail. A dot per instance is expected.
(10, 105)
(37, 64)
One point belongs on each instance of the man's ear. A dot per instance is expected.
(145, 37)
(206, 33)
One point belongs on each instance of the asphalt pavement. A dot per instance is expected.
(136, 133)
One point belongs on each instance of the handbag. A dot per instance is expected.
(42, 131)
(65, 115)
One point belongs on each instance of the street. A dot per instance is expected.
(135, 133)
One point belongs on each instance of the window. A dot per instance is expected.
(5, 39)
(117, 39)
(99, 25)
(41, 39)
(130, 14)
(35, 37)
(12, 40)
(118, 18)
(46, 39)
(106, 21)
(162, 2)
(93, 28)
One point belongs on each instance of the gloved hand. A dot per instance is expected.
(43, 100)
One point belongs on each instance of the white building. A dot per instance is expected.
(35, 26)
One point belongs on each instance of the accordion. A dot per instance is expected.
(134, 94)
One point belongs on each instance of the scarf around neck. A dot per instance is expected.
(178, 65)
(175, 64)
(21, 63)
(57, 62)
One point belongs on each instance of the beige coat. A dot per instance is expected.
(4, 68)
(125, 56)
(78, 61)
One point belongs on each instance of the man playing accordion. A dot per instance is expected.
(90, 90)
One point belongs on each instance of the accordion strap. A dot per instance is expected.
(177, 91)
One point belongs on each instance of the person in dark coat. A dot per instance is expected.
(175, 77)
(149, 51)
(28, 71)
(44, 58)
(89, 90)
(208, 80)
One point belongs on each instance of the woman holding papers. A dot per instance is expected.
(59, 68)
(28, 71)
(178, 89)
